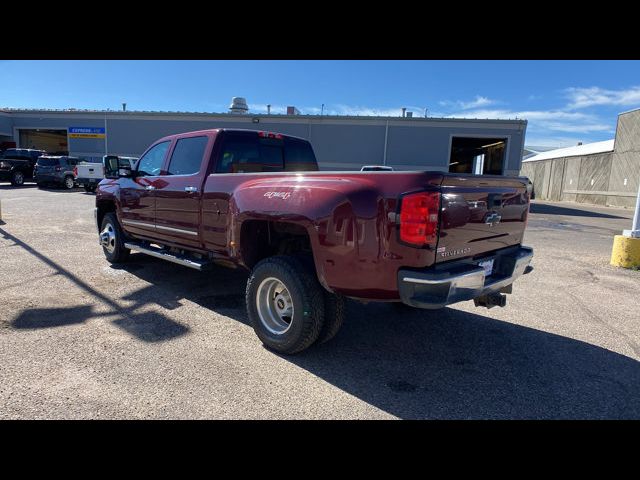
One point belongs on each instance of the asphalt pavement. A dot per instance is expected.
(150, 339)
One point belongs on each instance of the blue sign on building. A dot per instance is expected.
(89, 130)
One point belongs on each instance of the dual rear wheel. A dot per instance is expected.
(287, 306)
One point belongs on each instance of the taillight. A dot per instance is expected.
(419, 218)
(75, 171)
(58, 169)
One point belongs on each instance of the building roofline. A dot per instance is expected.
(256, 115)
(629, 111)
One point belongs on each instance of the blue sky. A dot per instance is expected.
(564, 101)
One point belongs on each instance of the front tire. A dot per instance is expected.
(112, 239)
(285, 304)
(17, 179)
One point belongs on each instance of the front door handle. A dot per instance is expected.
(149, 187)
(191, 189)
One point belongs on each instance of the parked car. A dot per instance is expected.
(17, 164)
(376, 168)
(55, 170)
(88, 175)
(309, 238)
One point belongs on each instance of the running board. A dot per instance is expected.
(171, 257)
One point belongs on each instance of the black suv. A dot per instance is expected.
(56, 170)
(17, 164)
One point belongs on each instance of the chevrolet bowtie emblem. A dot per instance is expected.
(493, 219)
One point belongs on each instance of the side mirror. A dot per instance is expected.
(114, 169)
(110, 163)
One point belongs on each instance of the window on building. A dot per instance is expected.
(477, 155)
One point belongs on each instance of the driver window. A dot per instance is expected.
(151, 163)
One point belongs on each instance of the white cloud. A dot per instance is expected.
(588, 97)
(262, 108)
(550, 120)
(341, 109)
(555, 141)
(477, 102)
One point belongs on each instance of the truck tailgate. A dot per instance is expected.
(90, 170)
(480, 214)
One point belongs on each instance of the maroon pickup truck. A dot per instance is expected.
(256, 200)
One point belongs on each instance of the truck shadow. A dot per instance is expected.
(545, 209)
(146, 326)
(447, 364)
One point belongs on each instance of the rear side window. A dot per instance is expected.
(247, 152)
(187, 156)
(48, 162)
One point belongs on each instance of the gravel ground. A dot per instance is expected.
(82, 339)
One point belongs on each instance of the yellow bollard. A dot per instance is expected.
(626, 252)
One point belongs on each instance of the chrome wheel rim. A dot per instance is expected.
(108, 238)
(274, 305)
(69, 182)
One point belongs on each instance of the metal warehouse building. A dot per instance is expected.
(340, 142)
(601, 173)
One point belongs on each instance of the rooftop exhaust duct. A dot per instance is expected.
(238, 105)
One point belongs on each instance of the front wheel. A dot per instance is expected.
(285, 304)
(17, 179)
(112, 239)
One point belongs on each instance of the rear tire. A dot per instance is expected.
(68, 183)
(335, 307)
(285, 304)
(17, 179)
(112, 239)
(88, 189)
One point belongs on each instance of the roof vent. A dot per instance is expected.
(238, 105)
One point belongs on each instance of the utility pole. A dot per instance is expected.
(322, 110)
(106, 149)
(635, 228)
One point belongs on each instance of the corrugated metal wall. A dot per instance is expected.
(610, 178)
(340, 144)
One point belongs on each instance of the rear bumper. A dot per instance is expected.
(87, 181)
(444, 285)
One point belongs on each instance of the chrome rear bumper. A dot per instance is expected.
(436, 288)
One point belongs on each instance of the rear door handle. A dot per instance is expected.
(191, 189)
